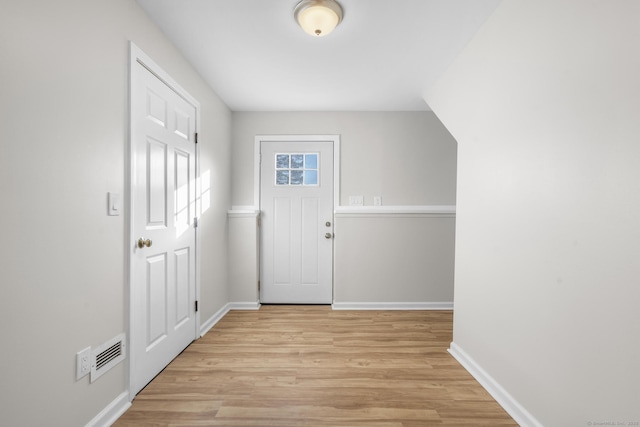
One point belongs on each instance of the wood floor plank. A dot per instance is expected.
(312, 366)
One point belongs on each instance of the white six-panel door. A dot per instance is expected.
(163, 209)
(296, 203)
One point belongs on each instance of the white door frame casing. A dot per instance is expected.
(259, 139)
(137, 56)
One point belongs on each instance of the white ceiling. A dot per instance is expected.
(382, 57)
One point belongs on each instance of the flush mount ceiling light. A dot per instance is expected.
(318, 17)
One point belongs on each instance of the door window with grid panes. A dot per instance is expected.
(297, 169)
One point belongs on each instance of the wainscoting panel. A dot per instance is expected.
(397, 256)
(394, 255)
(243, 254)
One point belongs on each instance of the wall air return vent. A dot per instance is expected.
(108, 355)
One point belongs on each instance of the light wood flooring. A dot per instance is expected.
(312, 366)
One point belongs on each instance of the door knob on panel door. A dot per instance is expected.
(328, 235)
(142, 242)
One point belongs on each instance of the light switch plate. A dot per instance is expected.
(113, 199)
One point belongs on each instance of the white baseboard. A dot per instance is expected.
(244, 305)
(504, 399)
(392, 306)
(206, 326)
(112, 412)
(210, 323)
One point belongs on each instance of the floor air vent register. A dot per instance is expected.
(106, 356)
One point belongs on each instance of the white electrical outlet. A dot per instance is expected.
(83, 363)
(377, 201)
(356, 200)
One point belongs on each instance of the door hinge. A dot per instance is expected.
(195, 138)
(259, 221)
(195, 222)
(258, 285)
(196, 305)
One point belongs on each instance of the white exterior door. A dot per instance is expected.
(163, 278)
(296, 203)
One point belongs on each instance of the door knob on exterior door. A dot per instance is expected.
(142, 242)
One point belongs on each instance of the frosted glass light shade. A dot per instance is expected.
(318, 17)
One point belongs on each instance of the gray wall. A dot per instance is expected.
(64, 136)
(545, 105)
(403, 259)
(407, 158)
